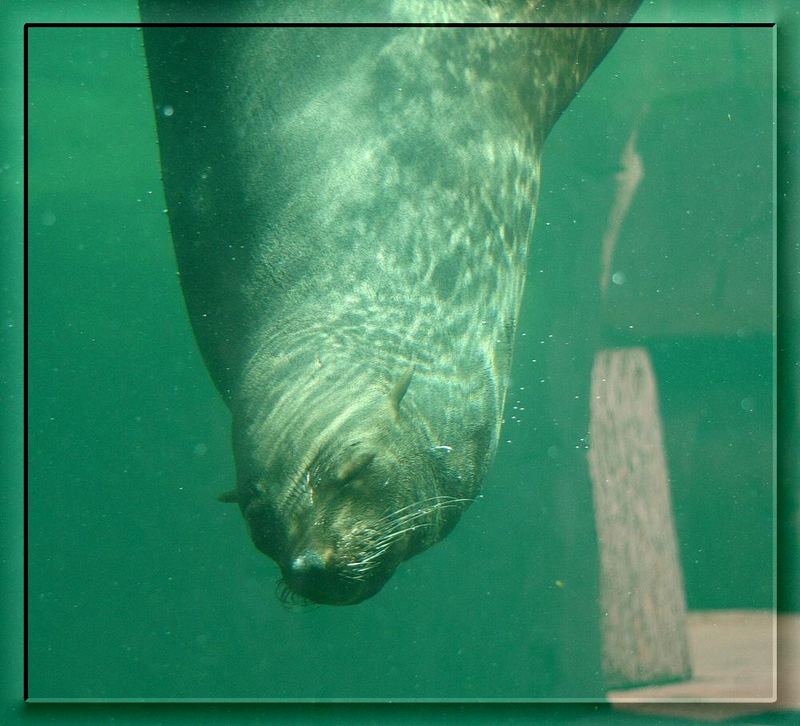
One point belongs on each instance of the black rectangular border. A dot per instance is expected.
(581, 707)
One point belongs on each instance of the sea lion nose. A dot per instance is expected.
(312, 575)
(307, 562)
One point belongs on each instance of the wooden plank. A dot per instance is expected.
(643, 603)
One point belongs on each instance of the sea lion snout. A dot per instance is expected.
(345, 549)
(315, 575)
(352, 501)
(327, 526)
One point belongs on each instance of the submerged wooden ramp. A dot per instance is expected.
(735, 669)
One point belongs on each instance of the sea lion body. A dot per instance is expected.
(352, 210)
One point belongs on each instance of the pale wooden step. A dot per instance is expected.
(734, 674)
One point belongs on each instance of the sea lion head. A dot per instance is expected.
(341, 512)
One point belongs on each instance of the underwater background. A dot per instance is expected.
(142, 585)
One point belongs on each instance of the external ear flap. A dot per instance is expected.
(399, 390)
(354, 466)
(231, 497)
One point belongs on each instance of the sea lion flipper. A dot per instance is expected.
(231, 497)
(399, 390)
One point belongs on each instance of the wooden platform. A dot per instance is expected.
(734, 665)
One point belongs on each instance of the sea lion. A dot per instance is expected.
(351, 209)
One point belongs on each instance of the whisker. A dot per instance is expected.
(371, 558)
(375, 541)
(290, 600)
(433, 503)
(395, 535)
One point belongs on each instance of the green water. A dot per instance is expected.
(142, 585)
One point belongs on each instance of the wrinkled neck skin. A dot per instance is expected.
(351, 210)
